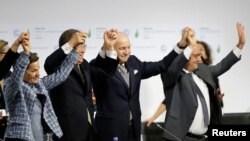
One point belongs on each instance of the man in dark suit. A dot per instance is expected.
(116, 77)
(72, 100)
(191, 86)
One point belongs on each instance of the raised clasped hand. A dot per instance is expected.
(110, 37)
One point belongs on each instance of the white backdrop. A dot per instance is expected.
(153, 26)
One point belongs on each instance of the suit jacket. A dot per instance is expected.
(2, 102)
(72, 98)
(115, 99)
(183, 103)
(20, 98)
(8, 60)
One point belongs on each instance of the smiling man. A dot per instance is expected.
(116, 77)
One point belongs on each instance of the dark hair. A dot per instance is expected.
(207, 61)
(66, 36)
(33, 57)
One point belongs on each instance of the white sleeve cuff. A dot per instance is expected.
(237, 52)
(3, 111)
(102, 54)
(67, 48)
(178, 50)
(187, 52)
(111, 54)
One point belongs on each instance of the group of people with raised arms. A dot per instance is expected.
(61, 102)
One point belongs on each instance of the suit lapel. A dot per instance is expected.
(132, 73)
(191, 81)
(131, 76)
(87, 78)
(78, 72)
(131, 79)
(119, 76)
(205, 76)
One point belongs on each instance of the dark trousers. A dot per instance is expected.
(131, 132)
(3, 126)
(90, 135)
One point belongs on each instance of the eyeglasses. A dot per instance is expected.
(82, 45)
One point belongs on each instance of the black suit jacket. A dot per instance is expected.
(183, 104)
(115, 99)
(71, 99)
(2, 102)
(8, 60)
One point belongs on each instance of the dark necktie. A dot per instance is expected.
(82, 77)
(203, 101)
(80, 72)
(123, 71)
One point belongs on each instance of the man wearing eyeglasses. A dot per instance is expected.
(72, 100)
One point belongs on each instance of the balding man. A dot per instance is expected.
(116, 77)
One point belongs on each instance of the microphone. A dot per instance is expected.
(166, 131)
